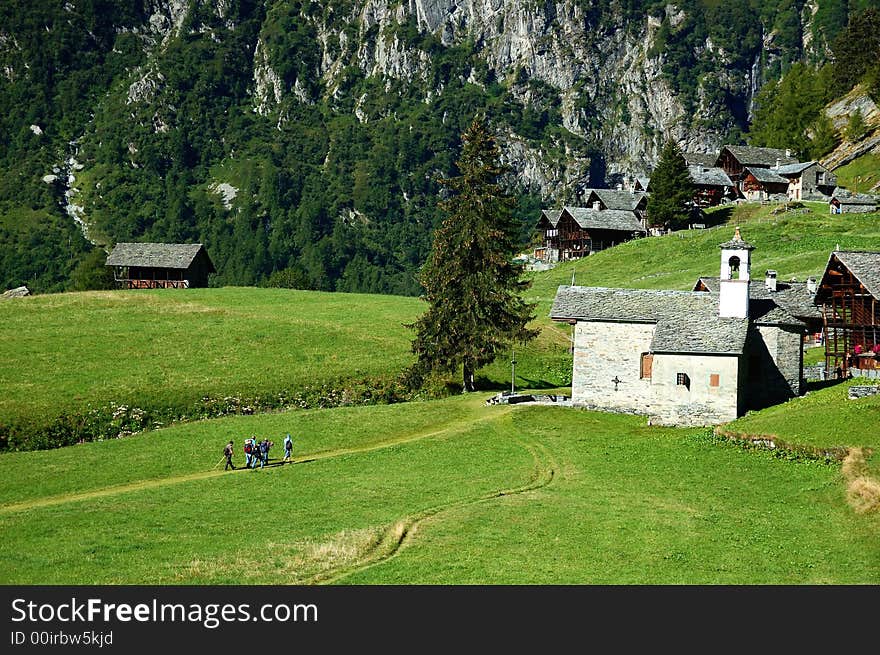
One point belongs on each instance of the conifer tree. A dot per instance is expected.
(472, 287)
(672, 189)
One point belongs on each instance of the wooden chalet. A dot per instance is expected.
(579, 231)
(160, 265)
(618, 199)
(849, 294)
(735, 159)
(763, 184)
(548, 251)
(711, 184)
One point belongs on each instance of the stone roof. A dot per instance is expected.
(703, 159)
(794, 169)
(765, 175)
(617, 198)
(552, 215)
(864, 265)
(686, 321)
(847, 197)
(751, 156)
(794, 297)
(155, 255)
(705, 176)
(605, 219)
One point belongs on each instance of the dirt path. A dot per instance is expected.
(141, 485)
(399, 535)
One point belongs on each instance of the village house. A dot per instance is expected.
(683, 357)
(160, 265)
(712, 185)
(844, 201)
(807, 180)
(735, 159)
(849, 295)
(575, 232)
(760, 184)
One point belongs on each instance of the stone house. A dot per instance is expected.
(844, 201)
(683, 357)
(808, 180)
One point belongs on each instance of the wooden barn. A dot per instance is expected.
(160, 265)
(763, 184)
(575, 232)
(849, 294)
(735, 159)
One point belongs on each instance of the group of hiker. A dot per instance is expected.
(256, 452)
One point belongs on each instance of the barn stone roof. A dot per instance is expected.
(864, 265)
(552, 215)
(751, 156)
(687, 322)
(709, 176)
(616, 198)
(794, 169)
(704, 159)
(765, 175)
(155, 255)
(605, 219)
(794, 297)
(847, 197)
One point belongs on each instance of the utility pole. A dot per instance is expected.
(512, 371)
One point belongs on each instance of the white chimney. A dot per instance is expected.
(811, 284)
(787, 152)
(597, 205)
(776, 168)
(770, 280)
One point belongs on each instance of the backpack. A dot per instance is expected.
(248, 448)
(264, 447)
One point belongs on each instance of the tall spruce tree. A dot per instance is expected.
(672, 189)
(472, 287)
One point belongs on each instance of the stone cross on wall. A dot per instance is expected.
(616, 382)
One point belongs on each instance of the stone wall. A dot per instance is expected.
(608, 351)
(863, 391)
(778, 355)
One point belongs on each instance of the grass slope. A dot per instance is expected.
(445, 491)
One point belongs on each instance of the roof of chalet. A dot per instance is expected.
(704, 159)
(687, 321)
(751, 156)
(644, 182)
(848, 197)
(155, 255)
(617, 198)
(709, 176)
(552, 215)
(795, 169)
(794, 297)
(605, 219)
(765, 175)
(864, 265)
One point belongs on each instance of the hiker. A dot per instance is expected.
(228, 452)
(265, 444)
(248, 453)
(288, 446)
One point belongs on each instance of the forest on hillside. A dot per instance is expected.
(335, 185)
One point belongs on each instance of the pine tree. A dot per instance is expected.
(471, 286)
(672, 189)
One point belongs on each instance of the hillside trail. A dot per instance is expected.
(399, 535)
(448, 429)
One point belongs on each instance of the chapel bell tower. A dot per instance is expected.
(736, 266)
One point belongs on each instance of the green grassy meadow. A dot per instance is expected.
(424, 492)
(431, 492)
